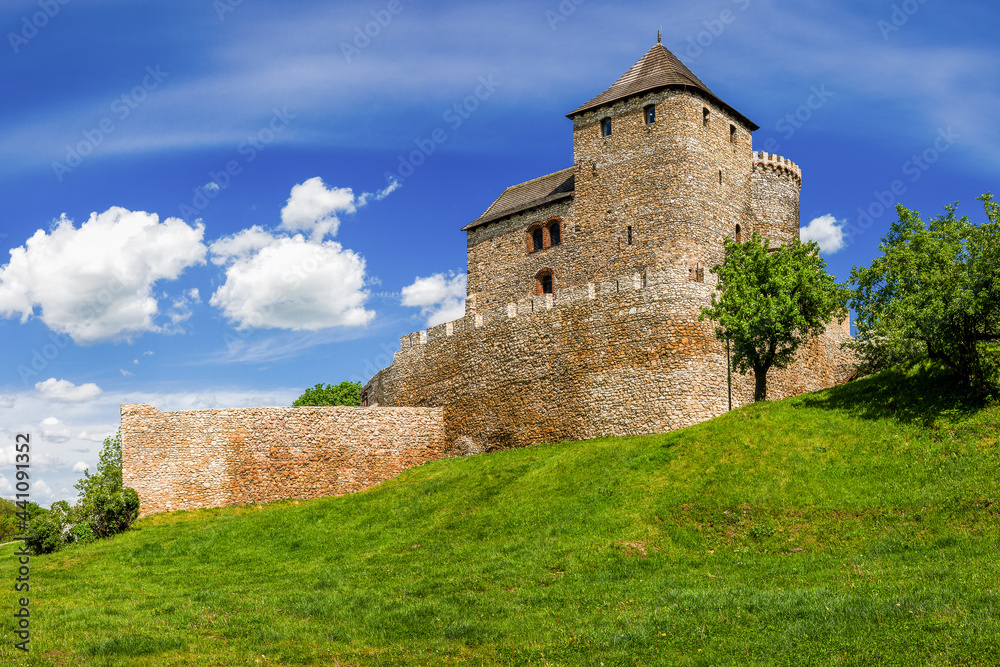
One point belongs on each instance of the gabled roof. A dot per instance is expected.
(532, 194)
(658, 69)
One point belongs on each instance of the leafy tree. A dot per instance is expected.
(10, 524)
(345, 393)
(934, 293)
(769, 302)
(105, 506)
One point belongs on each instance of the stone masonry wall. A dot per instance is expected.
(776, 184)
(681, 184)
(501, 270)
(214, 458)
(606, 358)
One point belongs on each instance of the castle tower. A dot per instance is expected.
(776, 184)
(661, 159)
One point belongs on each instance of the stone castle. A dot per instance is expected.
(584, 290)
(585, 285)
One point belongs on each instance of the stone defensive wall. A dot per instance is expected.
(619, 357)
(214, 458)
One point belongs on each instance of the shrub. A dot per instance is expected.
(105, 505)
(113, 510)
(45, 534)
(345, 393)
(82, 533)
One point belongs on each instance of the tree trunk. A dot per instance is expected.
(760, 383)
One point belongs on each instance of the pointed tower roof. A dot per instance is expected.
(658, 69)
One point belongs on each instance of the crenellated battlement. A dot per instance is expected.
(652, 284)
(779, 164)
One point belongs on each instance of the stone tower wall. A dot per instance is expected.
(662, 179)
(776, 185)
(500, 268)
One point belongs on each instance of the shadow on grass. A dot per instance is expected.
(921, 396)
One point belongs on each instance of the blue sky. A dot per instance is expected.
(219, 204)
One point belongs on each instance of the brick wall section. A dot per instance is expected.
(212, 458)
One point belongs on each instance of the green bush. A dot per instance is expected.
(113, 510)
(44, 534)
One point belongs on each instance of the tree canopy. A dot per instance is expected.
(345, 393)
(768, 302)
(934, 293)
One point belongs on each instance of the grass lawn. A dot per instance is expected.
(856, 526)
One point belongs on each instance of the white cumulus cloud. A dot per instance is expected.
(281, 282)
(80, 467)
(312, 208)
(54, 430)
(441, 297)
(65, 391)
(244, 243)
(95, 283)
(40, 491)
(825, 230)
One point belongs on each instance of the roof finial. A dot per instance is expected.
(657, 36)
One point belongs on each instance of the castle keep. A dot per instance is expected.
(585, 285)
(581, 320)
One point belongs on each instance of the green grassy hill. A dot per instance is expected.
(857, 526)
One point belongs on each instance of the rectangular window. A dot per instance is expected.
(606, 127)
(732, 133)
(630, 236)
(650, 114)
(704, 116)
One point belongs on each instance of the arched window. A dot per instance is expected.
(606, 127)
(739, 234)
(537, 239)
(544, 282)
(554, 236)
(649, 113)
